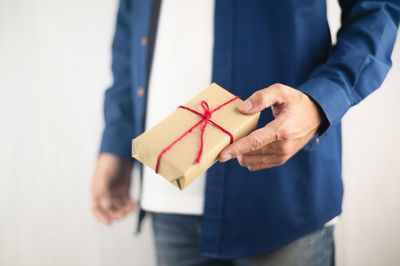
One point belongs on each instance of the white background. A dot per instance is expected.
(54, 67)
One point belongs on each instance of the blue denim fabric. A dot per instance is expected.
(177, 243)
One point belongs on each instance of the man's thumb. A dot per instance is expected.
(258, 101)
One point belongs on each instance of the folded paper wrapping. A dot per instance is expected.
(178, 165)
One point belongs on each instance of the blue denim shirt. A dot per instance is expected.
(256, 44)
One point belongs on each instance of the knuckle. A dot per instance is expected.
(251, 168)
(241, 160)
(283, 134)
(259, 98)
(258, 94)
(278, 85)
(277, 135)
(255, 143)
(282, 89)
(284, 149)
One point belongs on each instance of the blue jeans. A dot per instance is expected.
(176, 239)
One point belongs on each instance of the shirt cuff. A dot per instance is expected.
(332, 101)
(117, 140)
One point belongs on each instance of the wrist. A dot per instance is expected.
(323, 123)
(112, 166)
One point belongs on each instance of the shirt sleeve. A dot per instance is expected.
(359, 61)
(118, 117)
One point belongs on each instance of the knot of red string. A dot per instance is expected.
(207, 114)
(206, 118)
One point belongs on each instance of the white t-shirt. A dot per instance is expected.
(182, 67)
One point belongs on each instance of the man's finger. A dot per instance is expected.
(100, 214)
(261, 166)
(250, 159)
(110, 207)
(127, 204)
(255, 141)
(280, 147)
(130, 206)
(116, 211)
(105, 203)
(260, 100)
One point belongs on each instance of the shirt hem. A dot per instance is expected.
(173, 205)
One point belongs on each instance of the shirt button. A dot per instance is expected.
(140, 92)
(143, 41)
(317, 140)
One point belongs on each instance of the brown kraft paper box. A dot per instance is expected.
(177, 165)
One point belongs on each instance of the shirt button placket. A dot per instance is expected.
(140, 90)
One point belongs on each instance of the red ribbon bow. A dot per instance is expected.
(206, 117)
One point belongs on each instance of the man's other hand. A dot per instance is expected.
(110, 188)
(296, 120)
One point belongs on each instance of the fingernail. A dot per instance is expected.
(226, 157)
(245, 106)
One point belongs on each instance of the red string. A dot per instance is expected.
(206, 117)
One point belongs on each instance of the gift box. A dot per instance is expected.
(188, 141)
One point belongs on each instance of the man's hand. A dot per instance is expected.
(110, 188)
(297, 119)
